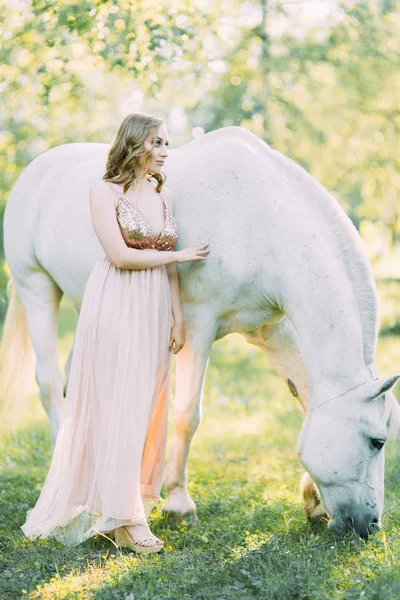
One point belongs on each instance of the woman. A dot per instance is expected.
(107, 465)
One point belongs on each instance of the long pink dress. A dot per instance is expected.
(108, 460)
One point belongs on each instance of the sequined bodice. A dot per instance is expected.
(136, 229)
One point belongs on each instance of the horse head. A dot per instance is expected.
(341, 445)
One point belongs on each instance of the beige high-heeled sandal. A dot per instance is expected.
(145, 545)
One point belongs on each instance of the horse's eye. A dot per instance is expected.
(377, 443)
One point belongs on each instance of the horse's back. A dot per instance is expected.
(254, 206)
(47, 216)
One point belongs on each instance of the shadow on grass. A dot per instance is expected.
(384, 586)
(251, 564)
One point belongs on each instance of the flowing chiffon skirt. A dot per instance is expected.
(108, 460)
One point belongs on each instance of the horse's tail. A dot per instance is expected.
(17, 359)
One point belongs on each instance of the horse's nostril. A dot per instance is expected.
(375, 525)
(348, 522)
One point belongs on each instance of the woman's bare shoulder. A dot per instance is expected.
(101, 186)
(106, 189)
(169, 197)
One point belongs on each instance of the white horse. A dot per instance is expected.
(286, 268)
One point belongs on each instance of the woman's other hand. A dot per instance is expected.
(177, 337)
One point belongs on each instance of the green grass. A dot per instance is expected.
(252, 540)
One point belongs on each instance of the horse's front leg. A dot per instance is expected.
(191, 365)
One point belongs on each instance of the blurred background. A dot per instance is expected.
(319, 80)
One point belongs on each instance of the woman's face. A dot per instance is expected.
(157, 146)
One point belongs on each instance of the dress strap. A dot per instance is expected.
(163, 201)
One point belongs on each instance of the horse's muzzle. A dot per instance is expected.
(363, 525)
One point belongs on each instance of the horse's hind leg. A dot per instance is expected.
(41, 297)
(191, 365)
(68, 362)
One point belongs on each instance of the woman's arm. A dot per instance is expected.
(173, 275)
(105, 224)
(177, 337)
(175, 293)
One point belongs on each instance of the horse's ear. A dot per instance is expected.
(380, 386)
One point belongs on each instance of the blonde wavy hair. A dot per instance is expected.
(128, 145)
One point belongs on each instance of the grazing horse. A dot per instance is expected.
(286, 268)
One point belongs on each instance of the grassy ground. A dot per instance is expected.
(252, 540)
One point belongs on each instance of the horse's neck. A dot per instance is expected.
(327, 288)
(322, 306)
(349, 245)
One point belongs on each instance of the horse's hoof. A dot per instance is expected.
(318, 521)
(176, 519)
(313, 507)
(318, 513)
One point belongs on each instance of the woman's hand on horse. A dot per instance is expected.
(192, 253)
